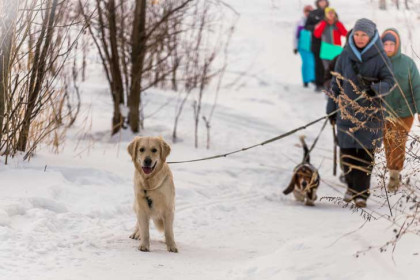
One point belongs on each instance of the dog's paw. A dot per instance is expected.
(144, 248)
(172, 249)
(298, 196)
(135, 235)
(309, 203)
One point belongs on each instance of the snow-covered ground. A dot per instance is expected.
(68, 216)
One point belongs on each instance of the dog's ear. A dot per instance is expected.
(132, 147)
(291, 186)
(166, 149)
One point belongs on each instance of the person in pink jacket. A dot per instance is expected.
(329, 30)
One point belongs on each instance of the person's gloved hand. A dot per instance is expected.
(368, 89)
(333, 118)
(374, 89)
(368, 86)
(295, 51)
(371, 92)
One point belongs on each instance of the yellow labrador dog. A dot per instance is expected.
(154, 190)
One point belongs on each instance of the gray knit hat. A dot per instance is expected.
(365, 25)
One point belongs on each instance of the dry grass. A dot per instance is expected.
(400, 209)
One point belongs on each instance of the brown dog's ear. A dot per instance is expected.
(291, 186)
(166, 149)
(132, 147)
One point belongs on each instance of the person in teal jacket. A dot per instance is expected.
(401, 105)
(302, 44)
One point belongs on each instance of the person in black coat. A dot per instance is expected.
(328, 77)
(313, 19)
(360, 126)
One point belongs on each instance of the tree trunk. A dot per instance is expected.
(382, 4)
(178, 115)
(123, 43)
(118, 88)
(137, 59)
(7, 31)
(38, 73)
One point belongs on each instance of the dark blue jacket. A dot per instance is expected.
(369, 69)
(313, 19)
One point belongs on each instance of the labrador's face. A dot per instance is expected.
(148, 153)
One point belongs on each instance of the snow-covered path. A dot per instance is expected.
(68, 216)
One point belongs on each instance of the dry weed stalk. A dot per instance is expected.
(404, 205)
(44, 33)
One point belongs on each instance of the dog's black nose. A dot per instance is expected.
(304, 184)
(147, 161)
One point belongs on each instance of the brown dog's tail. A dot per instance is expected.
(306, 158)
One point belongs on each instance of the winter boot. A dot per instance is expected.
(348, 196)
(342, 178)
(360, 202)
(394, 180)
(318, 89)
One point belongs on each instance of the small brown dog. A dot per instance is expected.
(305, 180)
(154, 190)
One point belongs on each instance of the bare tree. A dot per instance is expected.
(202, 57)
(147, 45)
(46, 32)
(104, 33)
(38, 72)
(138, 52)
(382, 4)
(8, 24)
(115, 66)
(130, 58)
(397, 4)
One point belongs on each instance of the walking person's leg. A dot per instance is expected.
(363, 172)
(347, 160)
(341, 177)
(319, 72)
(319, 67)
(395, 139)
(357, 165)
(326, 64)
(308, 70)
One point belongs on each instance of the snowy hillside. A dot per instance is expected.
(69, 215)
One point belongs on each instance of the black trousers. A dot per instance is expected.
(357, 165)
(319, 71)
(319, 65)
